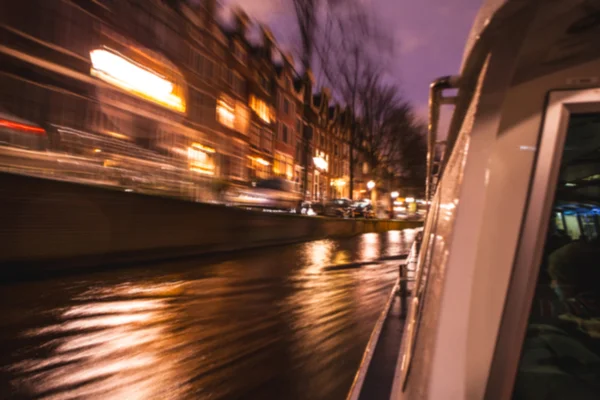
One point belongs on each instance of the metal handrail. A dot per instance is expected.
(436, 99)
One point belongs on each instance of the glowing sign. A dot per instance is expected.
(125, 74)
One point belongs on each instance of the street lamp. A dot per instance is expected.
(394, 195)
(370, 185)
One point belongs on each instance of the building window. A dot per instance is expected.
(267, 141)
(209, 68)
(255, 136)
(283, 165)
(225, 112)
(261, 109)
(335, 149)
(299, 126)
(240, 53)
(286, 106)
(237, 161)
(284, 133)
(239, 85)
(299, 159)
(264, 82)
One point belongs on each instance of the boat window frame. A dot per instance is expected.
(560, 106)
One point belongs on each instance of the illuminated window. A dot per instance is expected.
(201, 159)
(261, 109)
(225, 112)
(121, 72)
(283, 165)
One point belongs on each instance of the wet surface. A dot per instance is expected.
(279, 323)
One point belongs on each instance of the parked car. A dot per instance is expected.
(311, 208)
(341, 208)
(363, 209)
(273, 193)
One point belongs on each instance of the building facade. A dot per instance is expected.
(162, 87)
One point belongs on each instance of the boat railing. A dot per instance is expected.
(435, 156)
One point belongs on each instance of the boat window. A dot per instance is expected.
(560, 357)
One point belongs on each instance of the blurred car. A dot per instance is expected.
(340, 208)
(311, 208)
(363, 209)
(275, 193)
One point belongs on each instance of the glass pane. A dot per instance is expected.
(560, 357)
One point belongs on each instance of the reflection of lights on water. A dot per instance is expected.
(394, 237)
(113, 349)
(318, 255)
(369, 246)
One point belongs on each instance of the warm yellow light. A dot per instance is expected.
(123, 73)
(225, 114)
(117, 135)
(203, 171)
(394, 195)
(260, 161)
(203, 148)
(338, 182)
(261, 109)
(410, 199)
(320, 163)
(200, 161)
(370, 185)
(97, 151)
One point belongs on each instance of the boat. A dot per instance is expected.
(503, 300)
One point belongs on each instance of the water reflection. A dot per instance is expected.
(268, 324)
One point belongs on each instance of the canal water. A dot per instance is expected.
(288, 322)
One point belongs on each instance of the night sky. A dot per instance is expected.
(429, 36)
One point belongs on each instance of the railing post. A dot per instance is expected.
(403, 289)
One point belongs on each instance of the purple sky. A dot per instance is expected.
(429, 36)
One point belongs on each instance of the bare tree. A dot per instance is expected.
(348, 50)
(306, 17)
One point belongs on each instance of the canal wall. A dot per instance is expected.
(51, 222)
